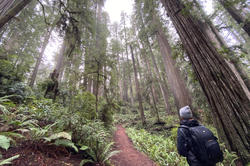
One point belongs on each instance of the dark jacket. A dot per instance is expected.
(184, 143)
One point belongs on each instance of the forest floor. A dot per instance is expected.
(128, 155)
(43, 154)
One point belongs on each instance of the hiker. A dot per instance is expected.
(196, 142)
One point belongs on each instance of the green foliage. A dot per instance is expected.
(162, 150)
(91, 135)
(8, 161)
(107, 111)
(56, 136)
(66, 143)
(101, 157)
(84, 105)
(4, 142)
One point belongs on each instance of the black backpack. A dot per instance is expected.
(204, 144)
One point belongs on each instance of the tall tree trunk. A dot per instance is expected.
(5, 5)
(125, 82)
(156, 69)
(236, 15)
(139, 65)
(220, 43)
(152, 88)
(138, 88)
(230, 106)
(90, 82)
(97, 86)
(54, 76)
(130, 84)
(60, 58)
(119, 75)
(177, 85)
(39, 59)
(13, 12)
(129, 76)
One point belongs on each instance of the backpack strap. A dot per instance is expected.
(184, 126)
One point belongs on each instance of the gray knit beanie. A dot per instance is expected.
(186, 113)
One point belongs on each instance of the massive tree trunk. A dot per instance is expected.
(177, 85)
(245, 23)
(13, 12)
(138, 89)
(230, 106)
(220, 43)
(39, 59)
(5, 5)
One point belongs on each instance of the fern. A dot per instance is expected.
(85, 161)
(4, 142)
(8, 161)
(12, 134)
(64, 135)
(66, 143)
(102, 153)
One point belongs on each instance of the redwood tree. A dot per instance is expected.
(236, 15)
(230, 106)
(13, 12)
(138, 89)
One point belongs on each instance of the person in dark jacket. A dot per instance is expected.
(184, 144)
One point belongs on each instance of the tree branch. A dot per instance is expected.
(47, 23)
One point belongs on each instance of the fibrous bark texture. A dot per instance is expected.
(177, 85)
(230, 105)
(13, 12)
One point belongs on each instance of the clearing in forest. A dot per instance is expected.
(128, 155)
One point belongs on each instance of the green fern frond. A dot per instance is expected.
(86, 161)
(4, 142)
(64, 135)
(66, 143)
(107, 148)
(4, 110)
(9, 160)
(12, 134)
(110, 155)
(84, 147)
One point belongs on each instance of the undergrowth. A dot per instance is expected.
(43, 121)
(163, 149)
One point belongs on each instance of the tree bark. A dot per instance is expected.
(5, 5)
(39, 59)
(236, 16)
(177, 85)
(220, 43)
(152, 89)
(129, 76)
(13, 12)
(125, 81)
(138, 89)
(156, 69)
(230, 105)
(152, 84)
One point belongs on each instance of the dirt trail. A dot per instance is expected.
(128, 155)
